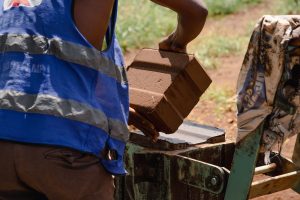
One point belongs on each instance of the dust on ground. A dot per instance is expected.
(226, 76)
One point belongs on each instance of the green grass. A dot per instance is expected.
(212, 48)
(219, 95)
(142, 23)
(287, 7)
(216, 46)
(222, 98)
(225, 7)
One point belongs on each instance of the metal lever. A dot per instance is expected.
(265, 169)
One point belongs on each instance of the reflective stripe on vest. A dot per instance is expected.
(56, 88)
(63, 50)
(50, 105)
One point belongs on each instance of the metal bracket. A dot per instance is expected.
(200, 174)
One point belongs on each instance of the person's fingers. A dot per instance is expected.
(165, 45)
(135, 117)
(178, 49)
(142, 124)
(169, 44)
(148, 131)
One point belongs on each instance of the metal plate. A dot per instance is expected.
(188, 134)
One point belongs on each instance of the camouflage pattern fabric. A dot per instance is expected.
(268, 86)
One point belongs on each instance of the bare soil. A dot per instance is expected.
(225, 76)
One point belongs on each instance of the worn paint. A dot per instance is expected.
(243, 166)
(200, 174)
(153, 174)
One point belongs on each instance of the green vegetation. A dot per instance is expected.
(212, 47)
(222, 97)
(142, 23)
(224, 7)
(218, 95)
(215, 46)
(287, 7)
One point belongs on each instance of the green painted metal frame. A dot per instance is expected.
(160, 168)
(296, 161)
(244, 163)
(243, 166)
(175, 175)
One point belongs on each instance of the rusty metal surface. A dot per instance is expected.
(200, 174)
(163, 175)
(220, 154)
(188, 134)
(148, 167)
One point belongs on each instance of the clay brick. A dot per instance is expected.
(165, 86)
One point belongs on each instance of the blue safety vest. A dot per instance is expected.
(55, 87)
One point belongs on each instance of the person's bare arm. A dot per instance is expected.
(191, 19)
(92, 18)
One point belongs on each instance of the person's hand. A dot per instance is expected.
(171, 44)
(191, 19)
(144, 125)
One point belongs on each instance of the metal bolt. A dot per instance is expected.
(214, 181)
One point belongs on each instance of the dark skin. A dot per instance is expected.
(92, 17)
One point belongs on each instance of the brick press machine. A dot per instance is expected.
(196, 162)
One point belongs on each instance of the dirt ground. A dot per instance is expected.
(225, 76)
